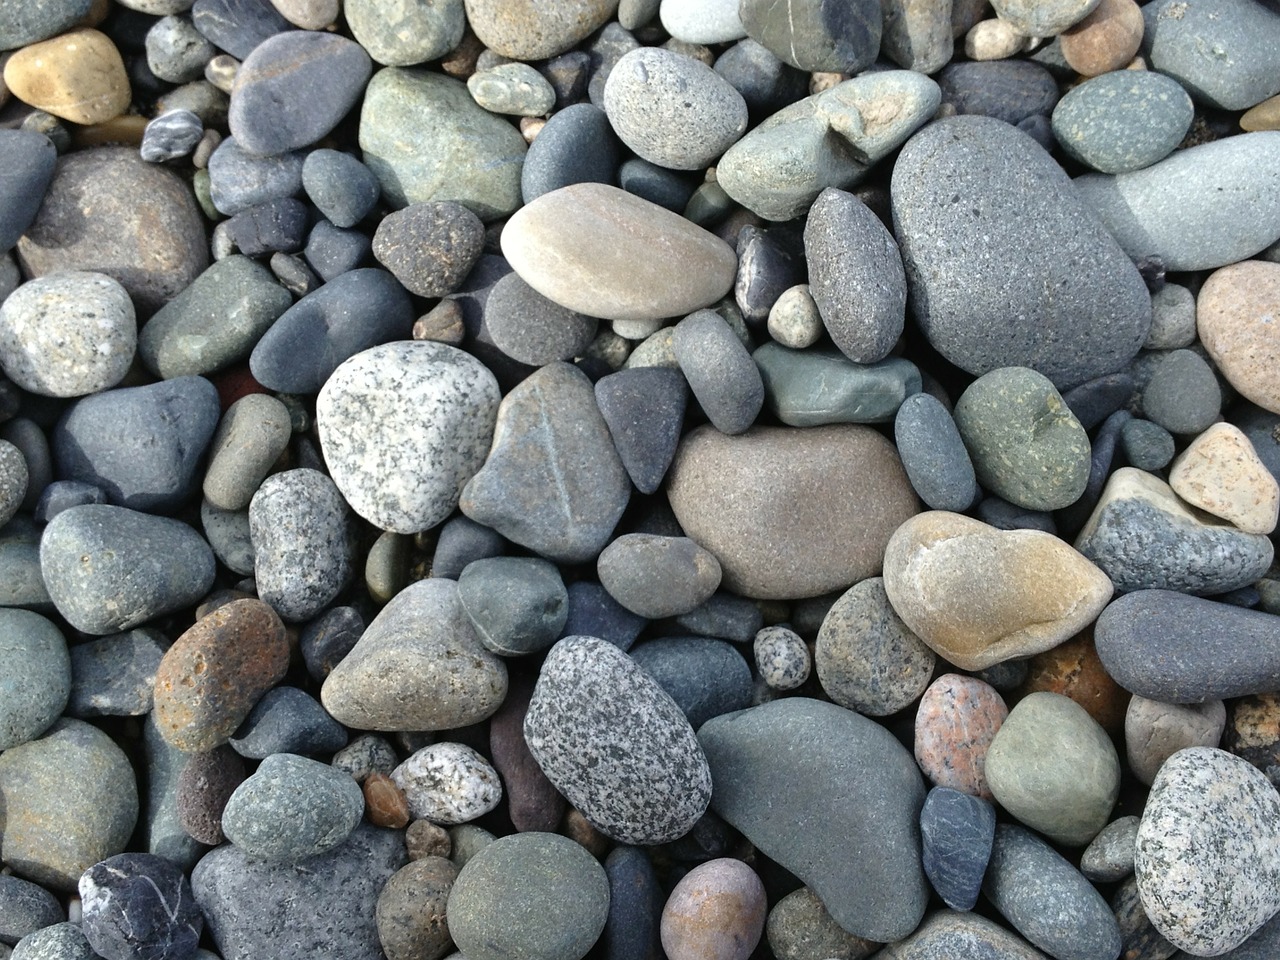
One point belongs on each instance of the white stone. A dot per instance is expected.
(448, 783)
(702, 21)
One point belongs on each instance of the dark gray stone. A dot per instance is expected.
(531, 329)
(805, 388)
(724, 379)
(1182, 395)
(277, 226)
(28, 161)
(934, 455)
(329, 638)
(593, 613)
(228, 534)
(704, 676)
(288, 720)
(331, 251)
(518, 605)
(1262, 427)
(239, 179)
(646, 180)
(430, 247)
(205, 784)
(1008, 90)
(1094, 401)
(1109, 856)
(956, 833)
(1124, 120)
(238, 26)
(1146, 445)
(462, 541)
(635, 906)
(137, 906)
(831, 36)
(644, 410)
(765, 82)
(25, 907)
(765, 270)
(1140, 939)
(577, 145)
(341, 187)
(115, 676)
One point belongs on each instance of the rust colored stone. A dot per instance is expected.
(957, 720)
(1074, 670)
(384, 802)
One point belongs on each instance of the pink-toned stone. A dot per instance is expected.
(957, 719)
(1105, 40)
(1238, 319)
(716, 912)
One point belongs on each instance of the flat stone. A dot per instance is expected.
(1230, 313)
(527, 30)
(717, 909)
(126, 900)
(956, 833)
(816, 37)
(35, 676)
(956, 721)
(606, 253)
(29, 160)
(78, 76)
(933, 454)
(401, 35)
(1123, 121)
(1220, 473)
(706, 677)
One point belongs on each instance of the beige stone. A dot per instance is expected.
(993, 39)
(1238, 320)
(308, 14)
(979, 596)
(1265, 116)
(1105, 40)
(78, 76)
(1221, 473)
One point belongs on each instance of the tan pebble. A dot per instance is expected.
(993, 39)
(1253, 732)
(716, 912)
(1238, 320)
(580, 830)
(1265, 116)
(442, 323)
(1155, 731)
(126, 130)
(78, 76)
(818, 82)
(1105, 40)
(530, 127)
(385, 803)
(1221, 473)
(221, 72)
(979, 596)
(957, 719)
(426, 839)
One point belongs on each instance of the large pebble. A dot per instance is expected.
(236, 26)
(412, 910)
(517, 605)
(1221, 473)
(716, 912)
(340, 186)
(956, 833)
(1105, 40)
(78, 76)
(956, 721)
(28, 23)
(807, 388)
(577, 145)
(1231, 314)
(1155, 731)
(528, 30)
(719, 370)
(1123, 121)
(138, 906)
(645, 781)
(843, 39)
(35, 676)
(403, 34)
(429, 247)
(448, 783)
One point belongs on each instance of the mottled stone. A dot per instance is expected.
(35, 676)
(782, 657)
(25, 907)
(1220, 473)
(137, 906)
(1231, 314)
(799, 927)
(403, 34)
(1109, 856)
(716, 912)
(205, 784)
(1123, 121)
(947, 935)
(1074, 670)
(448, 783)
(956, 721)
(411, 911)
(956, 833)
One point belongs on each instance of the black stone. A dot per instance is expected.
(329, 638)
(635, 906)
(138, 906)
(277, 225)
(1009, 90)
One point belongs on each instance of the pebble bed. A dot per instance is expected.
(639, 479)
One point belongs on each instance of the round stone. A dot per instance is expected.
(716, 912)
(429, 247)
(1107, 39)
(800, 928)
(529, 30)
(655, 576)
(448, 783)
(1109, 857)
(782, 658)
(531, 329)
(342, 187)
(518, 605)
(78, 76)
(512, 88)
(35, 676)
(411, 911)
(957, 719)
(1231, 318)
(403, 34)
(1043, 19)
(1123, 121)
(138, 906)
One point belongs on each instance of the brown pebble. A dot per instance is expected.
(126, 131)
(78, 76)
(716, 912)
(1264, 116)
(532, 802)
(1074, 670)
(427, 839)
(1105, 40)
(957, 719)
(1253, 732)
(461, 63)
(410, 914)
(204, 787)
(579, 829)
(1235, 318)
(384, 802)
(442, 323)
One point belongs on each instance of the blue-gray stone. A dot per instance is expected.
(277, 226)
(27, 162)
(765, 82)
(62, 941)
(635, 906)
(237, 26)
(462, 541)
(947, 935)
(162, 832)
(725, 616)
(804, 388)
(577, 145)
(115, 676)
(332, 251)
(34, 20)
(26, 907)
(1008, 90)
(35, 676)
(31, 440)
(353, 312)
(138, 906)
(518, 605)
(239, 180)
(593, 613)
(843, 37)
(956, 833)
(666, 188)
(704, 676)
(170, 135)
(1182, 394)
(1094, 401)
(806, 781)
(1101, 456)
(228, 534)
(1262, 427)
(328, 638)
(341, 187)
(141, 445)
(644, 410)
(1146, 445)
(1109, 856)
(1047, 900)
(1123, 121)
(934, 455)
(724, 379)
(288, 720)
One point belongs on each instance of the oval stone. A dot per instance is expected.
(715, 912)
(607, 253)
(1123, 121)
(1233, 314)
(957, 719)
(35, 676)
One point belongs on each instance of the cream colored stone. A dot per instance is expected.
(1221, 473)
(1105, 40)
(993, 39)
(1238, 319)
(78, 76)
(979, 596)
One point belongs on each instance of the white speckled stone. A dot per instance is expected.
(781, 657)
(1208, 851)
(403, 427)
(448, 783)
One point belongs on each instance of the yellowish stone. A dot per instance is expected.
(78, 76)
(1265, 116)
(1221, 473)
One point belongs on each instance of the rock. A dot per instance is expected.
(1123, 121)
(1035, 591)
(427, 140)
(239, 179)
(429, 247)
(205, 784)
(644, 410)
(31, 23)
(308, 14)
(170, 136)
(411, 911)
(114, 676)
(287, 720)
(956, 721)
(1198, 209)
(549, 427)
(917, 36)
(651, 792)
(1220, 473)
(706, 677)
(78, 76)
(448, 783)
(782, 658)
(987, 167)
(1230, 313)
(1182, 394)
(29, 160)
(1251, 732)
(1109, 856)
(635, 905)
(25, 907)
(444, 677)
(525, 30)
(947, 935)
(70, 800)
(532, 802)
(956, 833)
(1047, 900)
(867, 659)
(1074, 670)
(1015, 91)
(227, 532)
(61, 941)
(365, 756)
(1181, 550)
(933, 454)
(1173, 318)
(655, 576)
(514, 89)
(706, 21)
(401, 35)
(800, 928)
(531, 329)
(993, 39)
(176, 51)
(518, 605)
(35, 676)
(251, 436)
(139, 567)
(870, 793)
(1054, 768)
(1105, 40)
(215, 672)
(162, 832)
(237, 26)
(1206, 860)
(138, 905)
(719, 370)
(750, 501)
(577, 145)
(340, 186)
(716, 912)
(529, 894)
(606, 253)
(143, 228)
(334, 899)
(816, 37)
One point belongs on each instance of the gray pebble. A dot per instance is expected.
(512, 88)
(1182, 394)
(577, 145)
(62, 941)
(176, 51)
(934, 455)
(531, 329)
(842, 39)
(1122, 121)
(430, 247)
(1109, 857)
(14, 481)
(254, 432)
(518, 605)
(239, 179)
(1008, 90)
(287, 720)
(644, 409)
(704, 676)
(404, 34)
(805, 388)
(161, 828)
(170, 136)
(1173, 318)
(29, 23)
(228, 534)
(273, 226)
(341, 187)
(724, 379)
(115, 676)
(331, 251)
(25, 907)
(1146, 445)
(656, 576)
(31, 440)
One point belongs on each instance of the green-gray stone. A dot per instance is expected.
(386, 571)
(70, 800)
(399, 33)
(215, 322)
(512, 88)
(1026, 445)
(1124, 120)
(1146, 445)
(426, 140)
(805, 388)
(21, 583)
(162, 831)
(467, 840)
(35, 676)
(538, 896)
(800, 928)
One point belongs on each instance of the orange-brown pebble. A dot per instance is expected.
(1105, 40)
(957, 719)
(1074, 670)
(1253, 732)
(78, 76)
(717, 912)
(579, 829)
(1236, 314)
(427, 839)
(211, 677)
(384, 802)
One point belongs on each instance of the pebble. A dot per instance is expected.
(800, 928)
(78, 76)
(1015, 91)
(517, 605)
(532, 802)
(1231, 318)
(138, 905)
(765, 269)
(1105, 40)
(237, 26)
(781, 657)
(1047, 900)
(1074, 670)
(934, 454)
(1182, 394)
(385, 803)
(308, 14)
(1198, 209)
(956, 721)
(143, 228)
(341, 187)
(635, 905)
(425, 139)
(701, 21)
(287, 720)
(1181, 549)
(759, 754)
(277, 226)
(35, 676)
(176, 51)
(1264, 116)
(170, 136)
(956, 832)
(30, 23)
(1206, 859)
(719, 370)
(239, 179)
(227, 532)
(411, 911)
(1054, 769)
(603, 252)
(814, 37)
(1219, 472)
(71, 800)
(514, 89)
(1173, 318)
(644, 410)
(25, 907)
(1251, 732)
(448, 783)
(655, 576)
(961, 280)
(531, 329)
(333, 899)
(867, 659)
(251, 436)
(750, 500)
(529, 894)
(162, 832)
(61, 941)
(993, 39)
(28, 160)
(1109, 856)
(549, 427)
(526, 30)
(444, 677)
(366, 755)
(593, 613)
(577, 145)
(205, 784)
(706, 677)
(429, 247)
(716, 912)
(1141, 940)
(1123, 121)
(402, 35)
(292, 808)
(1146, 445)
(139, 567)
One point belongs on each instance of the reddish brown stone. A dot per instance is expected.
(1074, 670)
(579, 829)
(427, 839)
(532, 802)
(204, 787)
(384, 802)
(211, 677)
(955, 724)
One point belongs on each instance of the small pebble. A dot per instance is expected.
(956, 721)
(716, 912)
(341, 187)
(782, 658)
(1109, 856)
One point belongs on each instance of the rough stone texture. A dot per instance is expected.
(448, 783)
(799, 927)
(1109, 857)
(411, 911)
(27, 23)
(956, 833)
(1123, 121)
(655, 576)
(137, 906)
(25, 907)
(868, 794)
(531, 329)
(429, 247)
(205, 784)
(717, 910)
(35, 676)
(721, 374)
(751, 501)
(527, 30)
(403, 34)
(824, 36)
(1220, 473)
(957, 719)
(947, 935)
(1230, 314)
(1154, 731)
